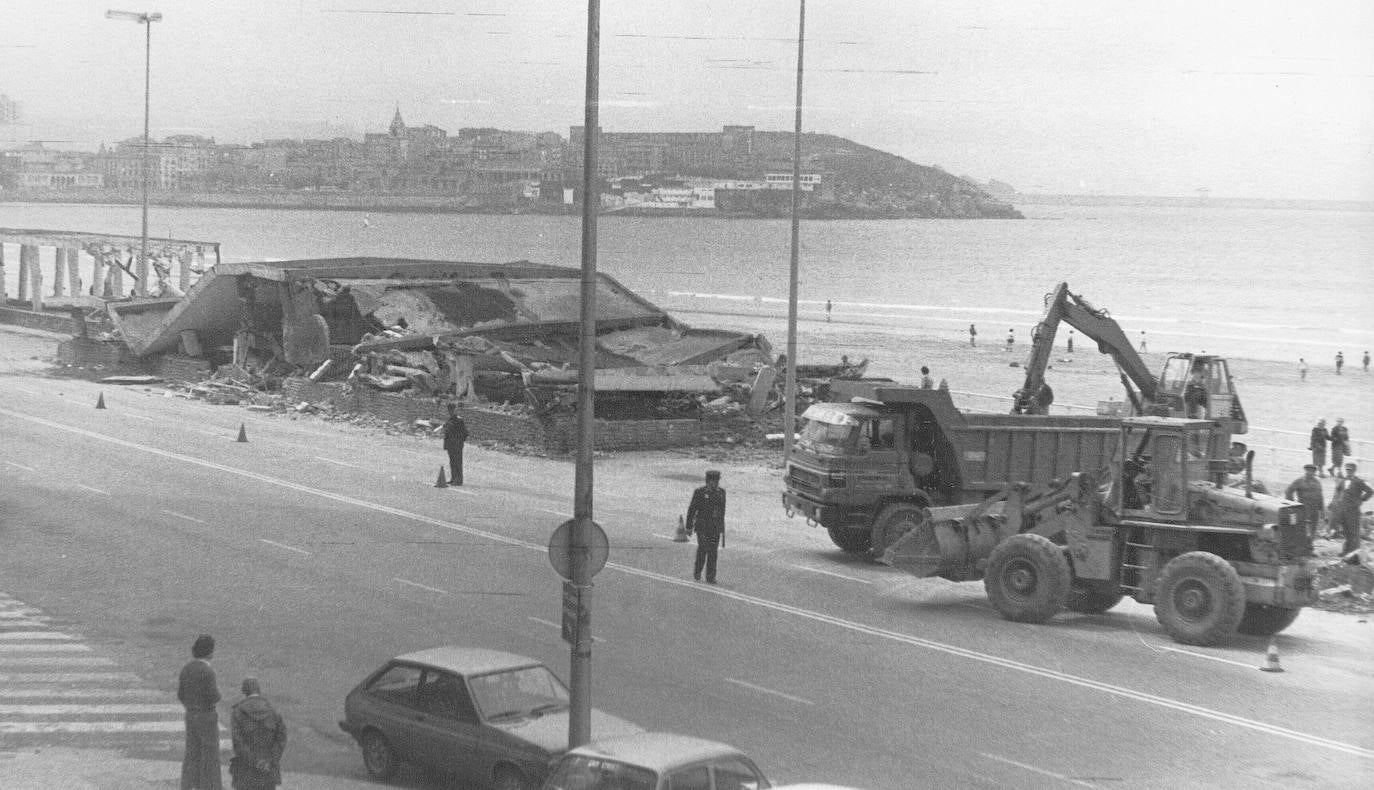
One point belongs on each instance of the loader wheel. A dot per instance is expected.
(1201, 599)
(892, 523)
(1264, 620)
(1027, 578)
(1092, 597)
(853, 541)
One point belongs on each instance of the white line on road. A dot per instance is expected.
(20, 466)
(284, 546)
(421, 586)
(55, 661)
(1203, 655)
(133, 416)
(183, 516)
(31, 728)
(69, 677)
(53, 691)
(39, 647)
(1035, 770)
(763, 690)
(338, 463)
(763, 603)
(92, 489)
(68, 709)
(831, 573)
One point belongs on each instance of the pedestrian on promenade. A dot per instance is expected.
(1317, 445)
(927, 383)
(706, 517)
(1308, 491)
(1070, 341)
(1142, 341)
(455, 436)
(1011, 338)
(1302, 369)
(827, 311)
(1340, 444)
(259, 739)
(972, 335)
(1340, 362)
(198, 693)
(1346, 505)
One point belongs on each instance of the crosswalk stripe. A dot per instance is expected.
(16, 636)
(17, 728)
(69, 677)
(21, 647)
(55, 661)
(51, 691)
(66, 709)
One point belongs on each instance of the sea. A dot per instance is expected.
(1241, 281)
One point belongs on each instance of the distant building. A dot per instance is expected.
(35, 167)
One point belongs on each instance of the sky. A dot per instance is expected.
(1259, 98)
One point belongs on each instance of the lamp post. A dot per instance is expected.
(789, 400)
(146, 19)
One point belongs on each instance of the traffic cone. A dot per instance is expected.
(100, 401)
(243, 435)
(681, 535)
(1271, 659)
(442, 482)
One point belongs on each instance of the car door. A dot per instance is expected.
(392, 701)
(447, 728)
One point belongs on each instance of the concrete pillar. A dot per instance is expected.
(23, 293)
(98, 274)
(30, 252)
(184, 270)
(59, 271)
(74, 271)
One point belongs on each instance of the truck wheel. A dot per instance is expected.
(1264, 620)
(1027, 578)
(1092, 597)
(1201, 599)
(892, 523)
(854, 541)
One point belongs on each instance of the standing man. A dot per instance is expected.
(1308, 491)
(198, 694)
(1340, 444)
(972, 335)
(706, 517)
(1302, 369)
(1318, 446)
(1142, 341)
(455, 436)
(1346, 506)
(1070, 341)
(1365, 362)
(927, 383)
(259, 740)
(1340, 362)
(1011, 338)
(827, 311)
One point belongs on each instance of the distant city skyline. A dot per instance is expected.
(1254, 99)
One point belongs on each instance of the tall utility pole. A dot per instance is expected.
(147, 20)
(580, 666)
(789, 417)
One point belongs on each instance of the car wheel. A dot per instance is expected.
(378, 756)
(508, 779)
(852, 541)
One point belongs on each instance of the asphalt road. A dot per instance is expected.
(316, 550)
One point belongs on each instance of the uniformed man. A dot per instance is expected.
(706, 517)
(1308, 491)
(1346, 505)
(455, 436)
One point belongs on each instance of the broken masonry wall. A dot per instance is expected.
(304, 333)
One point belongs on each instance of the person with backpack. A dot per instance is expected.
(259, 739)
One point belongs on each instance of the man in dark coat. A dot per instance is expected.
(1308, 491)
(1340, 444)
(455, 435)
(1318, 447)
(198, 693)
(259, 740)
(1346, 506)
(706, 517)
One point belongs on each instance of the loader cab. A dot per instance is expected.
(1199, 386)
(1160, 456)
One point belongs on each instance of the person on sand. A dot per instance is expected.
(1142, 341)
(1365, 362)
(1302, 369)
(1317, 444)
(973, 337)
(1340, 362)
(827, 310)
(1070, 341)
(1011, 338)
(1340, 444)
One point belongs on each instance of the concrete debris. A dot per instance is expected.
(1333, 592)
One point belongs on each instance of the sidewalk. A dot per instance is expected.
(52, 768)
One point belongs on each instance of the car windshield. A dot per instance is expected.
(518, 693)
(584, 772)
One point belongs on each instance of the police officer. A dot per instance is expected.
(1308, 491)
(1351, 494)
(455, 430)
(706, 517)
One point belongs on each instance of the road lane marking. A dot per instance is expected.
(338, 463)
(831, 573)
(421, 586)
(93, 490)
(69, 709)
(29, 635)
(20, 466)
(1168, 649)
(1034, 770)
(53, 691)
(184, 516)
(284, 546)
(763, 603)
(133, 416)
(763, 690)
(69, 677)
(55, 661)
(47, 727)
(39, 647)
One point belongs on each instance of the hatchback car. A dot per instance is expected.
(656, 761)
(485, 717)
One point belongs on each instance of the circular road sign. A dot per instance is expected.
(598, 548)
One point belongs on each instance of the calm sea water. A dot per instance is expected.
(1244, 282)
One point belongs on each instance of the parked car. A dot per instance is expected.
(656, 761)
(487, 718)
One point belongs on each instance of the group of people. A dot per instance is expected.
(1338, 439)
(258, 732)
(1340, 364)
(1343, 517)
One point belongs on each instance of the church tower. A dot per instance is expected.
(398, 126)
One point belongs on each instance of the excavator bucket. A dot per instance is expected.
(949, 544)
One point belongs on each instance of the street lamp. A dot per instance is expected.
(141, 287)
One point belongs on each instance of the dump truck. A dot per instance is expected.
(1159, 526)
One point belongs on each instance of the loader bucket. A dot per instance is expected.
(950, 548)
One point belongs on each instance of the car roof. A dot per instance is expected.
(657, 750)
(466, 660)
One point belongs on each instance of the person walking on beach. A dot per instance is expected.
(927, 383)
(1142, 341)
(827, 311)
(259, 736)
(706, 517)
(1011, 338)
(1070, 341)
(973, 335)
(1346, 507)
(455, 436)
(1365, 362)
(1340, 362)
(1302, 369)
(1307, 490)
(1340, 444)
(198, 693)
(1317, 445)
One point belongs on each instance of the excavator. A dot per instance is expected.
(1191, 386)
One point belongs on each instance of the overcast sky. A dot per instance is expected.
(1254, 98)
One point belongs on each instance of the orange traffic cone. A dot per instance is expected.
(681, 535)
(442, 482)
(100, 401)
(243, 435)
(1271, 659)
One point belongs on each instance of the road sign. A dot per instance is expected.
(577, 614)
(561, 550)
